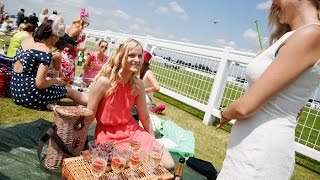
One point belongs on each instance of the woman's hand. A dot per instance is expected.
(223, 121)
(60, 82)
(67, 79)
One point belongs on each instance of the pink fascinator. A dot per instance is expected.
(84, 15)
(147, 56)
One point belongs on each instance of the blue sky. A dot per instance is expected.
(179, 20)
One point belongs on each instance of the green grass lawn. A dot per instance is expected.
(210, 144)
(4, 40)
(198, 87)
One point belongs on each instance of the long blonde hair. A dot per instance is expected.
(281, 29)
(117, 61)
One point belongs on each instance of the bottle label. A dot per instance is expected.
(177, 178)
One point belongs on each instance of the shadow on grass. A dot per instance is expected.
(22, 135)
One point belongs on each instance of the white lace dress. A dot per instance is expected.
(262, 147)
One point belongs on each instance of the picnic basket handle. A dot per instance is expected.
(51, 132)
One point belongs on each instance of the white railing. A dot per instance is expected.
(208, 78)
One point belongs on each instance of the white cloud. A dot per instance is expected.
(139, 21)
(134, 28)
(95, 11)
(224, 43)
(264, 5)
(36, 1)
(151, 3)
(184, 39)
(171, 36)
(121, 14)
(177, 9)
(250, 35)
(112, 25)
(246, 50)
(162, 10)
(173, 9)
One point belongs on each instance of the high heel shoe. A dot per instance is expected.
(158, 109)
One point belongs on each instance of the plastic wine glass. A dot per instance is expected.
(135, 142)
(99, 159)
(135, 159)
(155, 154)
(119, 157)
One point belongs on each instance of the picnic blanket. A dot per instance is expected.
(18, 152)
(174, 137)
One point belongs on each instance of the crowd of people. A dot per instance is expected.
(44, 65)
(262, 139)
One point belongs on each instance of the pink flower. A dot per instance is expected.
(84, 15)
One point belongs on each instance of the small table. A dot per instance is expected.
(76, 168)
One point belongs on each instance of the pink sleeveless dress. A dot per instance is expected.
(96, 66)
(114, 120)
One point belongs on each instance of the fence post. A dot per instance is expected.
(145, 46)
(152, 49)
(110, 45)
(218, 87)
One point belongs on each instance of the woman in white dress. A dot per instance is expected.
(281, 80)
(43, 15)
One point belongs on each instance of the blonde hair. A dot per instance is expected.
(22, 26)
(80, 23)
(44, 11)
(281, 29)
(117, 61)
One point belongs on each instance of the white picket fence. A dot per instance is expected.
(207, 79)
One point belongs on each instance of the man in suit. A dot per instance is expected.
(20, 17)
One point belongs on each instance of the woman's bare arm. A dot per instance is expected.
(294, 57)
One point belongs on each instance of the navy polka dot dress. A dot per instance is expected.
(23, 85)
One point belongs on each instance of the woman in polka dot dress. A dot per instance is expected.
(30, 86)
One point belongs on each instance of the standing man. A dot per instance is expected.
(33, 19)
(20, 17)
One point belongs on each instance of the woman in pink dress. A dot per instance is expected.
(94, 62)
(112, 96)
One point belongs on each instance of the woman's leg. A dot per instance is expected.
(77, 96)
(167, 160)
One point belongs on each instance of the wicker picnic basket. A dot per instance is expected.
(72, 126)
(76, 168)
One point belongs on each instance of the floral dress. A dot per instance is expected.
(23, 85)
(68, 59)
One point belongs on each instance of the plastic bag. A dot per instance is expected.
(183, 138)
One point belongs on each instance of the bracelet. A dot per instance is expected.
(222, 117)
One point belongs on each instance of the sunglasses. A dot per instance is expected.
(105, 47)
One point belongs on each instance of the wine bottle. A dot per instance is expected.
(179, 169)
(80, 59)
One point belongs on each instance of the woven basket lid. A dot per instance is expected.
(73, 111)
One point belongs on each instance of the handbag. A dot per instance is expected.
(66, 136)
(6, 64)
(5, 78)
(203, 167)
